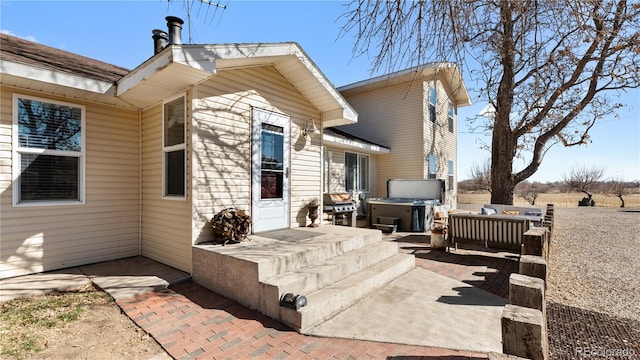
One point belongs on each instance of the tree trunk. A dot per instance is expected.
(503, 141)
(502, 182)
(621, 200)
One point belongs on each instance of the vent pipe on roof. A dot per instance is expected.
(175, 30)
(160, 40)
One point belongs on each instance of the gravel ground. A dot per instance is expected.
(595, 261)
(593, 288)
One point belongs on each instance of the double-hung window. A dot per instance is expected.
(451, 171)
(356, 169)
(450, 116)
(48, 151)
(174, 148)
(433, 99)
(433, 166)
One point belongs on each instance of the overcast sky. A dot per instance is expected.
(119, 32)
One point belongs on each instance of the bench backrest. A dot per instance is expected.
(522, 210)
(499, 231)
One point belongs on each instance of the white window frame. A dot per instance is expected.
(451, 117)
(358, 157)
(433, 114)
(19, 150)
(433, 175)
(172, 148)
(327, 165)
(451, 174)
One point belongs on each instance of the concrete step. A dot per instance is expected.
(330, 300)
(311, 278)
(310, 252)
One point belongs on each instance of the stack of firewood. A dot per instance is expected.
(231, 225)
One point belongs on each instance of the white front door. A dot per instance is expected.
(270, 170)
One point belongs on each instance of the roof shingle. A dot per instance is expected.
(30, 53)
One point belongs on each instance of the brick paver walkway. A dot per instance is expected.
(191, 322)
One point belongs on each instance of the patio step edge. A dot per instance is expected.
(327, 302)
(312, 252)
(325, 273)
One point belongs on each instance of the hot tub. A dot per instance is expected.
(412, 207)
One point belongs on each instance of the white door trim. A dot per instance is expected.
(270, 184)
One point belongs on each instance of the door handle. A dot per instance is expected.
(286, 172)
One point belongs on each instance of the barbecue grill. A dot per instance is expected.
(341, 207)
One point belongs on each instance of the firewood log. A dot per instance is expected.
(231, 225)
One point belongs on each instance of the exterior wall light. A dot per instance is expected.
(310, 129)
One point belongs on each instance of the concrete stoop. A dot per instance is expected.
(332, 266)
(327, 301)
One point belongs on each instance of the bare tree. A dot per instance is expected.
(584, 179)
(530, 191)
(619, 188)
(549, 69)
(480, 176)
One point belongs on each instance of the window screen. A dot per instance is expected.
(49, 149)
(174, 149)
(433, 166)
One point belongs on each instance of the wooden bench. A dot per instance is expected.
(498, 231)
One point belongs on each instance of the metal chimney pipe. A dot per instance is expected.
(160, 40)
(175, 30)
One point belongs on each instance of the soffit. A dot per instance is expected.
(178, 67)
(446, 72)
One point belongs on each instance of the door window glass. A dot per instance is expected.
(272, 162)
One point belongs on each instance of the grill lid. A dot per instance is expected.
(337, 198)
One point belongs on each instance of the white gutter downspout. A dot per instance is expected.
(140, 182)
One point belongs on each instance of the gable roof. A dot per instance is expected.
(39, 67)
(177, 66)
(447, 72)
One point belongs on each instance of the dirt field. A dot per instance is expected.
(560, 200)
(82, 324)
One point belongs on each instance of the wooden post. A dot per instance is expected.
(534, 266)
(524, 333)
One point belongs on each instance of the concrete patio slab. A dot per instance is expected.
(426, 309)
(41, 284)
(133, 276)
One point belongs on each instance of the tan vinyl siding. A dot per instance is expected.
(166, 225)
(438, 140)
(223, 143)
(335, 169)
(106, 227)
(392, 117)
(398, 117)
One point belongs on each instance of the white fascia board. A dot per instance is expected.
(398, 76)
(269, 53)
(345, 116)
(190, 56)
(194, 57)
(246, 51)
(450, 73)
(56, 78)
(348, 113)
(354, 144)
(143, 72)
